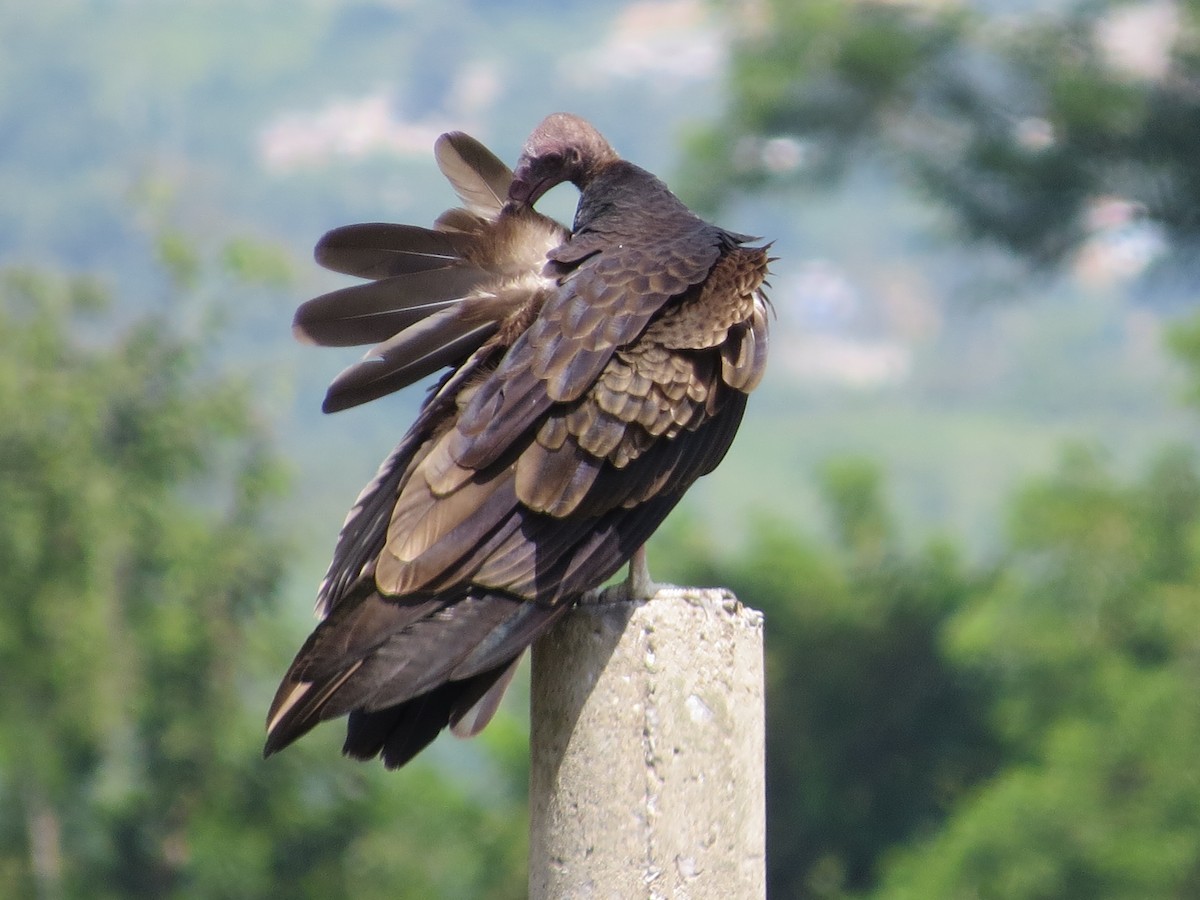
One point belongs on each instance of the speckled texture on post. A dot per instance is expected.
(647, 751)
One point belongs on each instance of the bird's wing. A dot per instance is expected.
(553, 508)
(434, 593)
(435, 298)
(382, 249)
(427, 523)
(602, 304)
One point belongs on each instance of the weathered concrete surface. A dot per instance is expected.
(647, 751)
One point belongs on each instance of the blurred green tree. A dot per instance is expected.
(1018, 731)
(1020, 123)
(1091, 639)
(142, 554)
(1077, 654)
(873, 734)
(134, 547)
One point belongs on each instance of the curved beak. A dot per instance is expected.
(524, 190)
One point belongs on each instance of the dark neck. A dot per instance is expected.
(622, 188)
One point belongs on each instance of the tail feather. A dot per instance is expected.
(400, 732)
(332, 655)
(404, 684)
(299, 707)
(422, 656)
(517, 633)
(469, 715)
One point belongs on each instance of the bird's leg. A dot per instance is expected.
(639, 585)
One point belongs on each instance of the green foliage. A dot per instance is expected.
(142, 563)
(126, 594)
(1184, 341)
(1016, 125)
(1080, 645)
(257, 262)
(872, 735)
(1091, 639)
(1019, 731)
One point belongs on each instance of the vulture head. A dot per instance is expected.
(562, 148)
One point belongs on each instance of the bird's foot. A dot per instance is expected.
(638, 587)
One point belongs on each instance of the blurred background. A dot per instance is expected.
(966, 496)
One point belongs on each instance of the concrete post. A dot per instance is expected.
(647, 751)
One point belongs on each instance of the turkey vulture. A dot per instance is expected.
(594, 375)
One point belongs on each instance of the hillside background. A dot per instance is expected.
(955, 369)
(183, 158)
